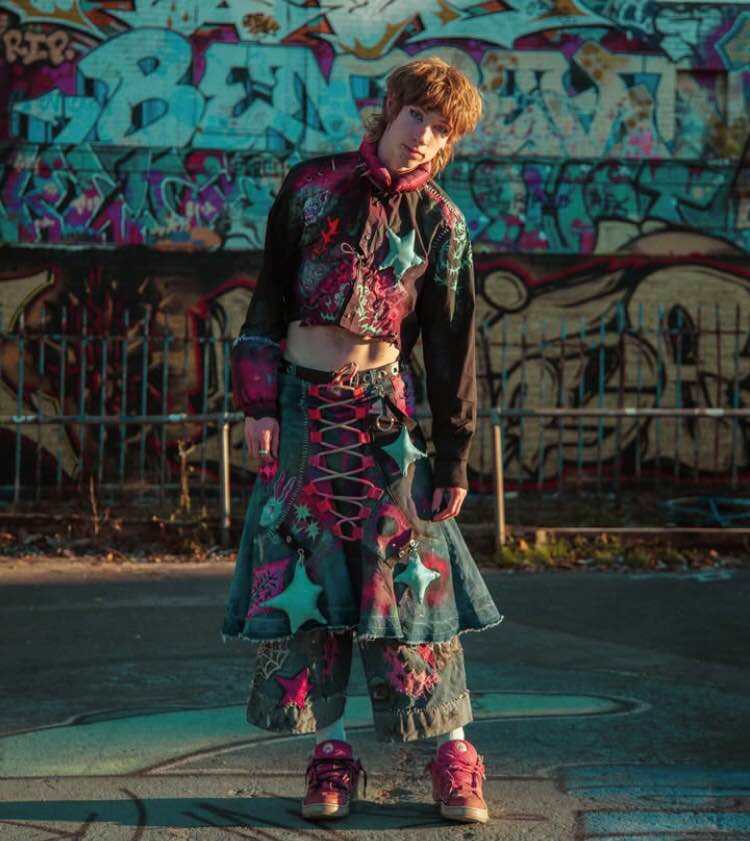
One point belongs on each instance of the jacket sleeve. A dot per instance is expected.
(445, 309)
(257, 350)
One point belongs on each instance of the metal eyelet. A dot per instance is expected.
(380, 420)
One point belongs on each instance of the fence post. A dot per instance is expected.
(226, 491)
(497, 457)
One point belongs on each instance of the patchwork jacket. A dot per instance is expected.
(385, 257)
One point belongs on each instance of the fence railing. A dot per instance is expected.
(679, 357)
(636, 396)
(496, 419)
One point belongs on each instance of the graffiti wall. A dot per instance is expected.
(170, 124)
(666, 323)
(608, 185)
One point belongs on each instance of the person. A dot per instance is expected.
(350, 531)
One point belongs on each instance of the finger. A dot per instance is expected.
(460, 501)
(452, 505)
(257, 447)
(445, 514)
(265, 443)
(252, 444)
(437, 498)
(453, 509)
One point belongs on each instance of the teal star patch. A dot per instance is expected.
(402, 451)
(313, 530)
(302, 511)
(299, 600)
(401, 253)
(417, 576)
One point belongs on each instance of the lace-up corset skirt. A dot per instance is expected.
(340, 534)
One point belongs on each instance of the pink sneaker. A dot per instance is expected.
(457, 773)
(332, 778)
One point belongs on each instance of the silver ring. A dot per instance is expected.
(264, 452)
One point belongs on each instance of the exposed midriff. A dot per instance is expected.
(328, 346)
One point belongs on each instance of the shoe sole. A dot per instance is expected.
(324, 811)
(464, 814)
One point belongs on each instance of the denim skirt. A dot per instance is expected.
(338, 533)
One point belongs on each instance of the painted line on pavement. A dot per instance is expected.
(126, 744)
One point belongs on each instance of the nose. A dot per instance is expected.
(421, 135)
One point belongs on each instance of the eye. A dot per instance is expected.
(416, 114)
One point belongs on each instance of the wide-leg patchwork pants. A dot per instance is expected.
(416, 691)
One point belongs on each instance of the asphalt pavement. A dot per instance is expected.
(609, 706)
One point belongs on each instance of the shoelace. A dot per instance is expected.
(336, 773)
(452, 770)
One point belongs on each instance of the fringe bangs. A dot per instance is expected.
(434, 85)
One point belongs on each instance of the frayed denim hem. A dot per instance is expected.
(266, 713)
(340, 629)
(411, 725)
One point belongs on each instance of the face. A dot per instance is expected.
(413, 138)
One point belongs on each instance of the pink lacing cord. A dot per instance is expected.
(371, 490)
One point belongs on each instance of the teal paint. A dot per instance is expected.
(620, 825)
(131, 743)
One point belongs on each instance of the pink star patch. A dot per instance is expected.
(296, 689)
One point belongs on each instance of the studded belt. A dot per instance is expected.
(368, 376)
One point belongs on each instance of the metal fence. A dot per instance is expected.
(136, 407)
(636, 397)
(634, 359)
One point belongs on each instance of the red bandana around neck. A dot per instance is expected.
(382, 176)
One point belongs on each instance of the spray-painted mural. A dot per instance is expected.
(608, 185)
(170, 123)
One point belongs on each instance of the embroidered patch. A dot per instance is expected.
(417, 577)
(271, 656)
(274, 505)
(296, 689)
(314, 207)
(401, 255)
(271, 511)
(403, 679)
(300, 599)
(327, 236)
(452, 255)
(268, 581)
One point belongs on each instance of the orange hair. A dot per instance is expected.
(434, 85)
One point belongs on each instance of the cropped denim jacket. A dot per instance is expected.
(386, 257)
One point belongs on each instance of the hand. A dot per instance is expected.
(262, 434)
(454, 500)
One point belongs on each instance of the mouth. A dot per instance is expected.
(412, 151)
